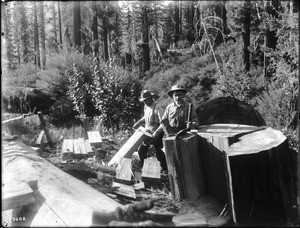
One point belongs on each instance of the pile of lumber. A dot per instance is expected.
(81, 148)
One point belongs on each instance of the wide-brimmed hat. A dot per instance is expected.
(176, 88)
(145, 95)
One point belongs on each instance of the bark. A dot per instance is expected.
(270, 37)
(94, 28)
(77, 24)
(54, 20)
(246, 34)
(5, 15)
(37, 60)
(43, 35)
(59, 23)
(105, 32)
(145, 45)
(177, 23)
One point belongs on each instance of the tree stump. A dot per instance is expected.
(247, 167)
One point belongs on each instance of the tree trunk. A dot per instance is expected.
(59, 23)
(270, 37)
(5, 14)
(37, 60)
(24, 33)
(177, 23)
(54, 20)
(43, 35)
(94, 28)
(105, 32)
(246, 34)
(191, 12)
(77, 24)
(145, 45)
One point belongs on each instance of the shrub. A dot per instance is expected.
(115, 94)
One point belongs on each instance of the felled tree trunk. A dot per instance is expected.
(60, 199)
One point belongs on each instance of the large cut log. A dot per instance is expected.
(228, 110)
(61, 200)
(247, 167)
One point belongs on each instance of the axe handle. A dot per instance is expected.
(190, 112)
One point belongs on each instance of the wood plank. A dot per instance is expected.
(67, 146)
(124, 171)
(130, 146)
(138, 186)
(76, 147)
(82, 147)
(41, 139)
(94, 138)
(124, 190)
(79, 148)
(67, 149)
(90, 152)
(72, 201)
(151, 170)
(189, 220)
(17, 195)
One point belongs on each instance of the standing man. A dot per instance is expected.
(151, 120)
(175, 117)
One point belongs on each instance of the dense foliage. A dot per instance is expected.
(207, 46)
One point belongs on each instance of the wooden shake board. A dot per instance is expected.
(88, 148)
(130, 146)
(67, 149)
(124, 171)
(151, 170)
(94, 138)
(124, 190)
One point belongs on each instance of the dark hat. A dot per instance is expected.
(145, 94)
(176, 88)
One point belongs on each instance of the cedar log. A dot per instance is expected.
(250, 168)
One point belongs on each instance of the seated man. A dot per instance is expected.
(151, 120)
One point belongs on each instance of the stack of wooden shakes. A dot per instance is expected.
(130, 146)
(80, 148)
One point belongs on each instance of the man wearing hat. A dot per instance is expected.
(175, 117)
(151, 120)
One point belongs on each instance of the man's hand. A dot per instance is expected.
(134, 214)
(188, 125)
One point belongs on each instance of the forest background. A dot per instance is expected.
(93, 58)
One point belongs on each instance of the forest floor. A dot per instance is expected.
(158, 191)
